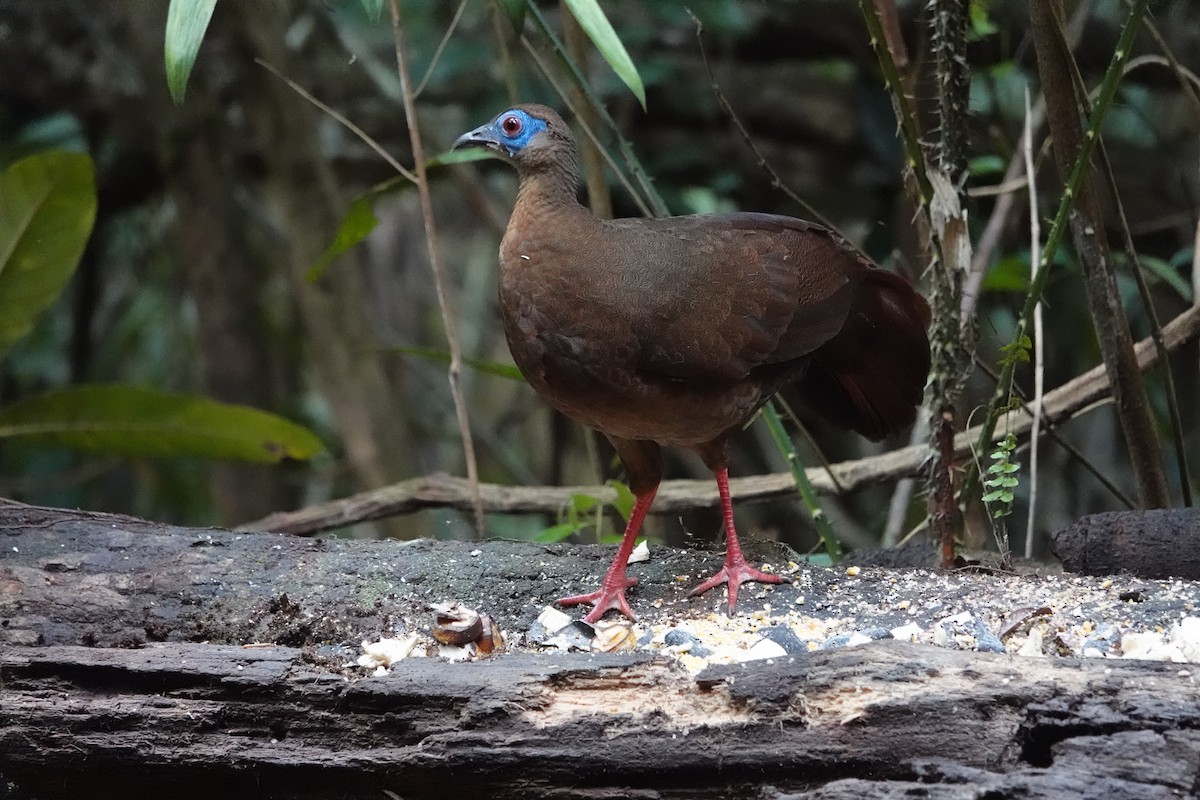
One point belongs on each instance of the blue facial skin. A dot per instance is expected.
(494, 135)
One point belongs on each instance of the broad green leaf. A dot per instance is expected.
(625, 499)
(582, 503)
(374, 9)
(187, 20)
(591, 18)
(487, 367)
(47, 207)
(135, 421)
(555, 533)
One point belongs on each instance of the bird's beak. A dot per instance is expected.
(483, 136)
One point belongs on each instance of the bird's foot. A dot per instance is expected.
(736, 572)
(610, 596)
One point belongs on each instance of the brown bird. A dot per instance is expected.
(675, 331)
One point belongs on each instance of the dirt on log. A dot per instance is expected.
(124, 665)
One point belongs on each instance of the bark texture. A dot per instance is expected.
(174, 699)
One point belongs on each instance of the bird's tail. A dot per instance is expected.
(871, 376)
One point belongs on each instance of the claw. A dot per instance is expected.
(735, 573)
(606, 598)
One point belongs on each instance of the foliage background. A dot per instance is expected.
(210, 214)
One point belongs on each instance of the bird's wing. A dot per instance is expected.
(718, 295)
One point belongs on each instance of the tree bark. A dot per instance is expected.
(175, 697)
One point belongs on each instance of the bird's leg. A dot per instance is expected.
(736, 571)
(611, 594)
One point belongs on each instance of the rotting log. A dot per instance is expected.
(193, 720)
(169, 702)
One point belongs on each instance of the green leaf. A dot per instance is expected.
(625, 499)
(374, 9)
(187, 20)
(555, 533)
(818, 559)
(990, 164)
(1168, 275)
(487, 367)
(1009, 274)
(356, 225)
(135, 421)
(981, 24)
(583, 503)
(47, 207)
(515, 10)
(460, 157)
(591, 18)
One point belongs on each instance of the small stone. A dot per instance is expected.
(876, 634)
(786, 638)
(1102, 641)
(682, 641)
(578, 635)
(985, 640)
(764, 648)
(834, 642)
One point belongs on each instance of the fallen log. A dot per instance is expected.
(124, 665)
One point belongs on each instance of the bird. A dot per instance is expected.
(674, 331)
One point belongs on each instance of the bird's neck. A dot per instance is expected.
(553, 186)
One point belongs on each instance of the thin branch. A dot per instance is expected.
(905, 116)
(1139, 276)
(439, 491)
(1039, 342)
(455, 370)
(437, 54)
(761, 160)
(350, 126)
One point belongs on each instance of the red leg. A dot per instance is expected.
(736, 571)
(611, 594)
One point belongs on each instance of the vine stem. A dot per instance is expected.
(454, 373)
(1108, 89)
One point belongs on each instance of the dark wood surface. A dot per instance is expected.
(198, 714)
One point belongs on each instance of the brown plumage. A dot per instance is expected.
(674, 331)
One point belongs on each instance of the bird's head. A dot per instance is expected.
(531, 137)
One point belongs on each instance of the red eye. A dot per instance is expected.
(511, 125)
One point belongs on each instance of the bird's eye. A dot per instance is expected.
(511, 125)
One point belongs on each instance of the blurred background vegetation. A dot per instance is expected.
(211, 213)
